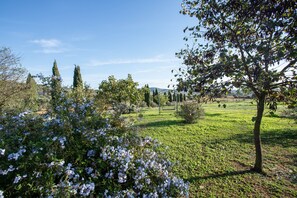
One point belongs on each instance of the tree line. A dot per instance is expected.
(18, 93)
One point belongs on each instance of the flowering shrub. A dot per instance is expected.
(76, 152)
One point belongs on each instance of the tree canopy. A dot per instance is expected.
(31, 97)
(119, 91)
(248, 43)
(147, 95)
(12, 76)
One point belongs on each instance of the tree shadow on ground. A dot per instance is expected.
(222, 175)
(162, 123)
(294, 157)
(212, 114)
(293, 176)
(283, 137)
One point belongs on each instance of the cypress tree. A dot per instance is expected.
(174, 97)
(155, 96)
(77, 79)
(181, 97)
(31, 96)
(169, 96)
(56, 87)
(147, 97)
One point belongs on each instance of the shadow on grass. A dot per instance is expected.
(293, 176)
(294, 157)
(222, 175)
(163, 123)
(284, 137)
(212, 114)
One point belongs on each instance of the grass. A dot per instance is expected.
(215, 155)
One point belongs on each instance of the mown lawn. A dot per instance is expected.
(215, 155)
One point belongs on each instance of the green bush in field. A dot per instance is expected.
(190, 112)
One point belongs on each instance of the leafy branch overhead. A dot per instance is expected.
(251, 44)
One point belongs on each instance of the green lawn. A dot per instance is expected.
(215, 155)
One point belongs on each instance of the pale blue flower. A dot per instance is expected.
(122, 177)
(2, 151)
(86, 189)
(15, 156)
(89, 170)
(1, 194)
(91, 153)
(17, 179)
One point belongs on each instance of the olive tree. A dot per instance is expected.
(123, 91)
(250, 44)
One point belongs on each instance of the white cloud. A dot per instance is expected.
(47, 43)
(49, 46)
(157, 59)
(50, 51)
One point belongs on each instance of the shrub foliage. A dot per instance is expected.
(191, 111)
(76, 152)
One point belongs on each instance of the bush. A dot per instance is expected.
(143, 104)
(153, 104)
(290, 113)
(76, 152)
(191, 111)
(170, 103)
(120, 108)
(134, 109)
(140, 116)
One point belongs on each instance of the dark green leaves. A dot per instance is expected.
(244, 43)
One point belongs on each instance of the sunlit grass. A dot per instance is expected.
(215, 155)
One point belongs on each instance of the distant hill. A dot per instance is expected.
(160, 90)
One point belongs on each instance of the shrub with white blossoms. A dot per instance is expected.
(77, 153)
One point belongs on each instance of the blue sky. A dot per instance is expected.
(103, 37)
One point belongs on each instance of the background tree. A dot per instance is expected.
(77, 79)
(78, 91)
(113, 91)
(161, 99)
(155, 96)
(56, 86)
(249, 44)
(132, 94)
(12, 76)
(30, 100)
(181, 98)
(174, 96)
(169, 96)
(147, 95)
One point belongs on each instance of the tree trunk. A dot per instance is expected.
(258, 167)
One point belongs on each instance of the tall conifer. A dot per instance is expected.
(56, 86)
(31, 95)
(77, 79)
(147, 97)
(169, 96)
